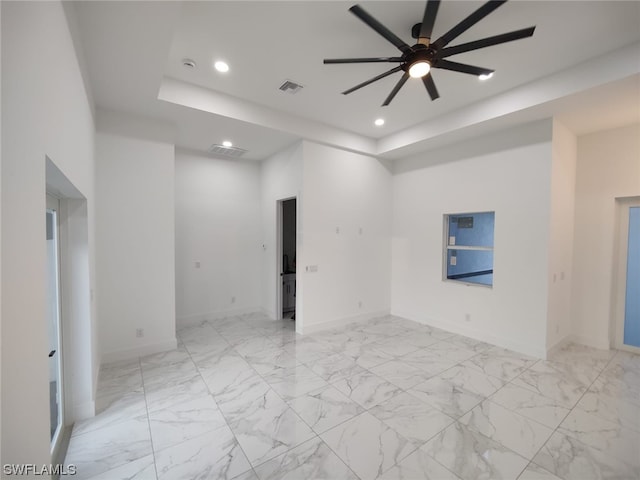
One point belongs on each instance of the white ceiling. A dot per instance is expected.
(132, 49)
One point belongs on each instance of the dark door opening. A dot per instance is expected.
(289, 259)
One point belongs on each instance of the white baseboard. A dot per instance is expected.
(82, 411)
(341, 322)
(190, 320)
(142, 351)
(602, 344)
(538, 351)
(559, 345)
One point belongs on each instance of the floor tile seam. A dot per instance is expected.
(422, 442)
(436, 407)
(531, 462)
(511, 450)
(507, 446)
(117, 422)
(604, 453)
(436, 460)
(151, 366)
(316, 436)
(459, 364)
(531, 389)
(433, 458)
(555, 430)
(146, 403)
(226, 421)
(587, 447)
(584, 393)
(594, 414)
(343, 422)
(111, 424)
(489, 399)
(478, 369)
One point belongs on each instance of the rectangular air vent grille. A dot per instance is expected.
(290, 87)
(227, 151)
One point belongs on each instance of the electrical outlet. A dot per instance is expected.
(233, 299)
(139, 332)
(197, 264)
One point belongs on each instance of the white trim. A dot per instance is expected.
(341, 322)
(599, 343)
(481, 335)
(629, 348)
(215, 315)
(560, 344)
(82, 411)
(265, 311)
(141, 351)
(619, 286)
(467, 247)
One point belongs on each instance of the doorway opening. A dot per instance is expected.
(56, 410)
(72, 360)
(288, 254)
(627, 301)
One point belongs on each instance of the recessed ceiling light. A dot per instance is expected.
(227, 144)
(379, 122)
(187, 62)
(485, 77)
(221, 66)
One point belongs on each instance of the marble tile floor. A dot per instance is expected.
(246, 398)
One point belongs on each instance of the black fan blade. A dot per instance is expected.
(360, 12)
(487, 42)
(362, 60)
(462, 67)
(374, 79)
(468, 22)
(430, 13)
(396, 89)
(431, 86)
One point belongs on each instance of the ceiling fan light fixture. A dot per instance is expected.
(419, 69)
(484, 77)
(379, 122)
(227, 144)
(221, 66)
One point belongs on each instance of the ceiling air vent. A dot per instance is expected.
(234, 152)
(290, 87)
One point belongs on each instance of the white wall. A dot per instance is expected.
(135, 245)
(0, 232)
(280, 178)
(218, 225)
(45, 112)
(79, 345)
(350, 193)
(561, 225)
(508, 173)
(608, 167)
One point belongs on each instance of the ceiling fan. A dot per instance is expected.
(417, 61)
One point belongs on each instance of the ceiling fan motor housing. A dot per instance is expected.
(418, 53)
